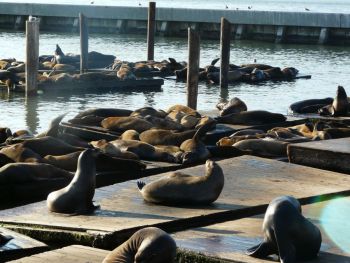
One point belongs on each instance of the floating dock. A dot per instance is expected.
(250, 184)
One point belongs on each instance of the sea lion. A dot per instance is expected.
(143, 150)
(166, 137)
(14, 173)
(53, 128)
(185, 109)
(235, 105)
(176, 115)
(304, 105)
(49, 145)
(76, 198)
(287, 233)
(255, 117)
(104, 112)
(247, 132)
(194, 149)
(125, 73)
(143, 112)
(130, 135)
(189, 121)
(229, 141)
(5, 160)
(162, 123)
(177, 188)
(340, 105)
(4, 134)
(333, 133)
(148, 245)
(19, 153)
(261, 147)
(90, 120)
(110, 149)
(67, 162)
(121, 124)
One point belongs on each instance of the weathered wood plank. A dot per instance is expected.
(228, 241)
(250, 184)
(327, 154)
(19, 246)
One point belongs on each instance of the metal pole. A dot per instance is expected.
(84, 42)
(32, 55)
(151, 29)
(193, 68)
(225, 35)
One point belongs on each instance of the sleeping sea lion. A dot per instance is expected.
(130, 135)
(287, 233)
(235, 105)
(143, 112)
(121, 124)
(176, 115)
(104, 112)
(177, 188)
(112, 150)
(91, 120)
(16, 173)
(255, 117)
(189, 121)
(185, 109)
(19, 153)
(166, 137)
(162, 123)
(76, 198)
(265, 148)
(148, 245)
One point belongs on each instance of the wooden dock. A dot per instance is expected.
(250, 184)
(19, 246)
(327, 154)
(224, 242)
(227, 242)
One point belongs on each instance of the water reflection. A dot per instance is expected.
(31, 113)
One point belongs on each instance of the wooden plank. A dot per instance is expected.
(76, 253)
(326, 154)
(228, 241)
(19, 246)
(32, 55)
(250, 184)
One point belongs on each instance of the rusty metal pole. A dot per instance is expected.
(151, 29)
(225, 35)
(84, 42)
(32, 55)
(193, 68)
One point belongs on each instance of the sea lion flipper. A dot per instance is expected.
(140, 184)
(261, 250)
(4, 239)
(286, 249)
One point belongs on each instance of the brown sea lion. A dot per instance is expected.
(189, 121)
(121, 124)
(229, 141)
(143, 112)
(65, 67)
(166, 137)
(104, 112)
(265, 148)
(19, 153)
(235, 105)
(185, 109)
(194, 149)
(130, 135)
(67, 161)
(177, 188)
(76, 198)
(256, 117)
(143, 150)
(161, 123)
(90, 120)
(148, 245)
(206, 121)
(333, 133)
(110, 149)
(125, 73)
(287, 233)
(28, 172)
(247, 132)
(176, 115)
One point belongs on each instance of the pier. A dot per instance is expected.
(279, 27)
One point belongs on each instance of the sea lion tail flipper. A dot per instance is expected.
(140, 185)
(262, 250)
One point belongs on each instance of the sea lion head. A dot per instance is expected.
(156, 250)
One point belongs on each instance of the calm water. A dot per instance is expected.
(327, 6)
(329, 67)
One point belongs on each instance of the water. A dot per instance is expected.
(326, 6)
(328, 65)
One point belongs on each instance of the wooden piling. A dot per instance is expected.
(32, 55)
(84, 42)
(193, 68)
(151, 29)
(225, 35)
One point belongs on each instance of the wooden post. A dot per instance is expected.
(32, 55)
(193, 68)
(151, 29)
(225, 36)
(84, 43)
